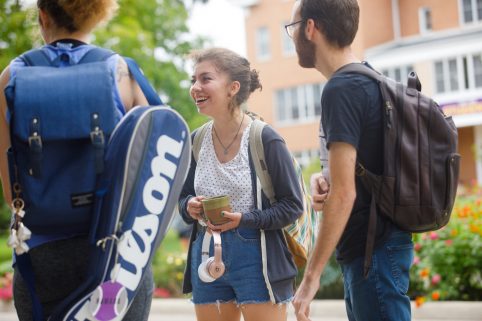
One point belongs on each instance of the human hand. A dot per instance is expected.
(319, 190)
(195, 207)
(234, 220)
(303, 297)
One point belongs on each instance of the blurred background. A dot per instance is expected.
(440, 40)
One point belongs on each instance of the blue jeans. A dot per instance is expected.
(242, 281)
(382, 295)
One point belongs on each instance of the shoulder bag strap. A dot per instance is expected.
(259, 160)
(198, 139)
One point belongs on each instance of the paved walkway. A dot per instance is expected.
(321, 310)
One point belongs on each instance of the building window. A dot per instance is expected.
(317, 99)
(287, 42)
(425, 19)
(295, 107)
(477, 61)
(447, 75)
(262, 43)
(453, 75)
(399, 73)
(281, 106)
(300, 103)
(457, 74)
(471, 11)
(439, 77)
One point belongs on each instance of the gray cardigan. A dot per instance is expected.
(281, 270)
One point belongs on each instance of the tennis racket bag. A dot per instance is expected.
(147, 159)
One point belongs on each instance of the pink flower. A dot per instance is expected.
(448, 242)
(433, 236)
(417, 246)
(6, 293)
(161, 293)
(416, 260)
(436, 279)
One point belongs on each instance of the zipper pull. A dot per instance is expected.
(388, 113)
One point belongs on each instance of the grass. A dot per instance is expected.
(5, 255)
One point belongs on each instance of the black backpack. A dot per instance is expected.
(421, 165)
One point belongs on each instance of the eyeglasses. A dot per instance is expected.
(290, 28)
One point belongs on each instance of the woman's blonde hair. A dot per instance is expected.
(79, 15)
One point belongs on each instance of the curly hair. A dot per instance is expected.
(79, 15)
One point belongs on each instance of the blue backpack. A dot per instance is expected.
(59, 128)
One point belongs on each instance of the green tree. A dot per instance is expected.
(156, 35)
(16, 30)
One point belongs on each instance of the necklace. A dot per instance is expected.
(226, 148)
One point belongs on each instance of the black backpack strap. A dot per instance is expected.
(373, 184)
(361, 68)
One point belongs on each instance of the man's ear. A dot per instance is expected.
(310, 29)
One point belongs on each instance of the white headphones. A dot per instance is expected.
(211, 268)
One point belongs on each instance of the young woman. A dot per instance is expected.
(59, 263)
(259, 271)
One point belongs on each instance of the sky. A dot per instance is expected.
(221, 21)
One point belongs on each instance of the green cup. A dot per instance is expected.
(213, 207)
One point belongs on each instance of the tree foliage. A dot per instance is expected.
(155, 34)
(17, 25)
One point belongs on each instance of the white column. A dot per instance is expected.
(396, 20)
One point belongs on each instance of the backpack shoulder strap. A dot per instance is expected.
(362, 68)
(151, 95)
(36, 57)
(96, 54)
(198, 139)
(101, 54)
(259, 160)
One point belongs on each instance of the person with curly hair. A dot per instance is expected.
(60, 261)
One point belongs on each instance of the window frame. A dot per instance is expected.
(425, 22)
(263, 43)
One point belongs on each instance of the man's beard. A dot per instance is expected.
(306, 51)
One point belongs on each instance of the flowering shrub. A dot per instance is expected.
(6, 290)
(168, 270)
(448, 263)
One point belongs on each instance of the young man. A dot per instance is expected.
(323, 31)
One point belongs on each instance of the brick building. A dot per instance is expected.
(440, 40)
